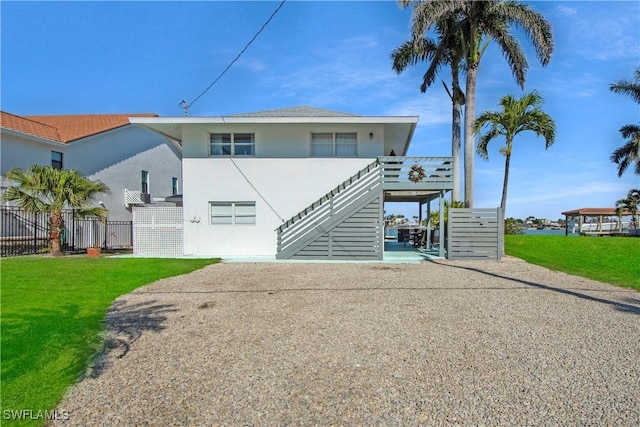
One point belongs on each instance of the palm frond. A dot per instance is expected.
(626, 155)
(626, 87)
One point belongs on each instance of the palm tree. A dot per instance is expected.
(446, 51)
(482, 21)
(631, 203)
(45, 189)
(516, 115)
(626, 87)
(630, 152)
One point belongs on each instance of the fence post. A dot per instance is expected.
(500, 233)
(73, 227)
(35, 232)
(106, 233)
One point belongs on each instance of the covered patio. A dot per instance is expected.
(425, 182)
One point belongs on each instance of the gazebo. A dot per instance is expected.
(596, 221)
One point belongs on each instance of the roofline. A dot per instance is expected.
(174, 141)
(303, 119)
(117, 129)
(595, 211)
(90, 135)
(34, 137)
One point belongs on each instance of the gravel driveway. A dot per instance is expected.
(439, 343)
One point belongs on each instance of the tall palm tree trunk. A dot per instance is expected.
(457, 99)
(505, 184)
(455, 147)
(56, 225)
(469, 137)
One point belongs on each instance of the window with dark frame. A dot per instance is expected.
(56, 160)
(145, 182)
(174, 186)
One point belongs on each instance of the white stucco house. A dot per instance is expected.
(140, 167)
(296, 183)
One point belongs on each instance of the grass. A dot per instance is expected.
(52, 319)
(614, 260)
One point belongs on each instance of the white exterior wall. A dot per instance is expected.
(282, 140)
(280, 188)
(118, 158)
(281, 179)
(17, 151)
(115, 157)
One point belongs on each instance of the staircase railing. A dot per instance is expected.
(314, 218)
(385, 173)
(419, 173)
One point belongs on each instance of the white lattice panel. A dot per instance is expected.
(158, 232)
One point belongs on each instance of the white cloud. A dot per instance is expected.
(252, 64)
(566, 10)
(433, 109)
(340, 71)
(599, 32)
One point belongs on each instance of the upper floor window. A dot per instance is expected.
(56, 160)
(174, 186)
(145, 182)
(334, 144)
(232, 144)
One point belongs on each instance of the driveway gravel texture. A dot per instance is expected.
(301, 344)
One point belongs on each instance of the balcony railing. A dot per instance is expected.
(419, 173)
(136, 198)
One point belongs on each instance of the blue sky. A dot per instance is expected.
(132, 57)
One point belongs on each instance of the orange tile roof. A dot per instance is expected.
(31, 127)
(67, 128)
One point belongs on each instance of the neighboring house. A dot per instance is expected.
(140, 167)
(297, 182)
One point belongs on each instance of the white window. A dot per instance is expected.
(233, 213)
(232, 144)
(334, 144)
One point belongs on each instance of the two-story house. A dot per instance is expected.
(139, 167)
(298, 182)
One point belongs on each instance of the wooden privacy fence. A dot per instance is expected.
(475, 234)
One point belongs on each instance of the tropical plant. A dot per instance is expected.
(631, 203)
(447, 50)
(480, 22)
(434, 216)
(512, 226)
(44, 189)
(630, 152)
(516, 115)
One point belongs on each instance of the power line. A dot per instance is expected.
(185, 104)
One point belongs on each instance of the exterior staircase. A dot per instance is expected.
(342, 224)
(347, 223)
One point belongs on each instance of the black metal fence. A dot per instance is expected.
(24, 233)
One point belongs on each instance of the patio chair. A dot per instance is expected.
(403, 236)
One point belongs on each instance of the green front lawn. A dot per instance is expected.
(52, 318)
(614, 260)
